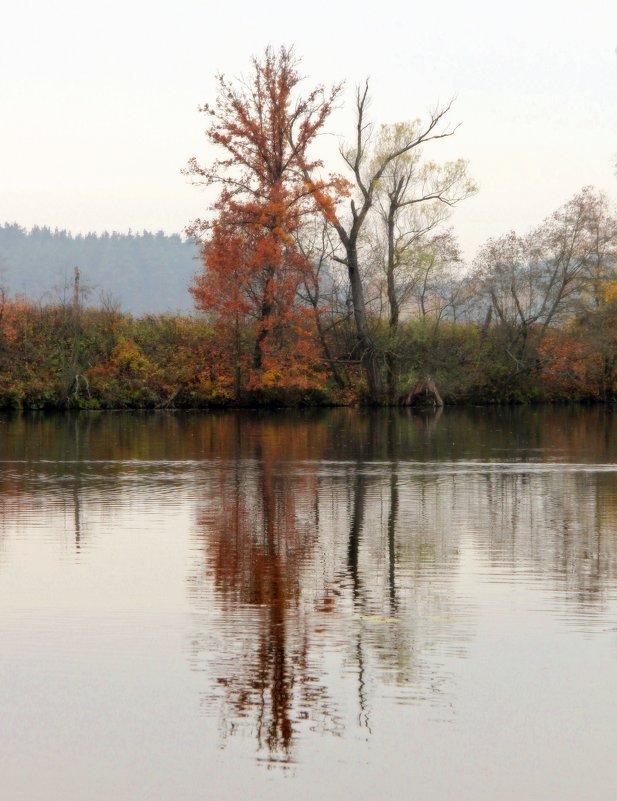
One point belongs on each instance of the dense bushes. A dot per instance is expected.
(58, 356)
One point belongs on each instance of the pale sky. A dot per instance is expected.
(99, 101)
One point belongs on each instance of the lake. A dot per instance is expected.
(321, 604)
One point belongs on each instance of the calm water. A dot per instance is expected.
(309, 606)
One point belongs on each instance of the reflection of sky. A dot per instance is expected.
(130, 558)
(488, 673)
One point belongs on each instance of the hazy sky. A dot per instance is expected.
(99, 101)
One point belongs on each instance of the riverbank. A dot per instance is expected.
(59, 357)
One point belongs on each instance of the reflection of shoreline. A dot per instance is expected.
(309, 557)
(378, 546)
(330, 547)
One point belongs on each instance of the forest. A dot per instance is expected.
(322, 283)
(143, 272)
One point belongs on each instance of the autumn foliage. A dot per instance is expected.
(253, 267)
(167, 361)
(262, 335)
(306, 299)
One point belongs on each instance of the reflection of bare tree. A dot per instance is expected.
(27, 485)
(302, 562)
(77, 487)
(329, 545)
(401, 563)
(77, 516)
(355, 530)
(393, 511)
(557, 522)
(357, 590)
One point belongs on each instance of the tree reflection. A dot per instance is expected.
(257, 537)
(300, 567)
(332, 548)
(561, 527)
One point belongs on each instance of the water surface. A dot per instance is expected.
(377, 605)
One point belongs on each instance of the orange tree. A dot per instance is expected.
(252, 265)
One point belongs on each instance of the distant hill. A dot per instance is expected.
(145, 272)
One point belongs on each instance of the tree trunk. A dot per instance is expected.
(265, 314)
(393, 304)
(328, 353)
(72, 380)
(424, 393)
(391, 377)
(365, 341)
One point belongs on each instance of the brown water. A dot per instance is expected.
(319, 605)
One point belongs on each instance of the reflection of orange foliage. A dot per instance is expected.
(261, 530)
(326, 605)
(258, 535)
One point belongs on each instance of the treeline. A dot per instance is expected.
(320, 287)
(145, 273)
(361, 271)
(64, 356)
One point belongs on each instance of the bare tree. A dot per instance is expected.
(414, 201)
(368, 167)
(591, 224)
(321, 290)
(532, 282)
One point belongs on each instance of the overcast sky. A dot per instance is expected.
(99, 101)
